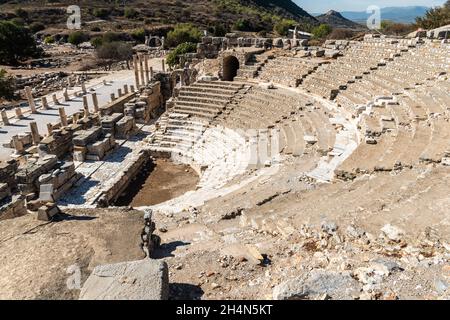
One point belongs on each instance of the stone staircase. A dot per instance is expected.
(252, 67)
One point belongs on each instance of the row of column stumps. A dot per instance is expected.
(143, 74)
(146, 75)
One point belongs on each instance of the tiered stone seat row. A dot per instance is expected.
(358, 61)
(288, 71)
(412, 129)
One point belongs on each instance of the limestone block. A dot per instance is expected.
(138, 280)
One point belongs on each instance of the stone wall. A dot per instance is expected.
(211, 46)
(28, 177)
(114, 188)
(117, 106)
(8, 171)
(59, 143)
(13, 209)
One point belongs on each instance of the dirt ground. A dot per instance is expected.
(166, 181)
(36, 255)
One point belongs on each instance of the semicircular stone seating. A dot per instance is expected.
(380, 107)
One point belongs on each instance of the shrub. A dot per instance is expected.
(97, 42)
(183, 33)
(49, 39)
(173, 58)
(77, 37)
(282, 27)
(111, 52)
(138, 35)
(111, 37)
(16, 43)
(102, 13)
(341, 34)
(6, 85)
(321, 31)
(130, 13)
(435, 17)
(36, 27)
(242, 25)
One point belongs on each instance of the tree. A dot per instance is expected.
(435, 17)
(182, 33)
(6, 85)
(16, 43)
(282, 27)
(321, 31)
(173, 58)
(112, 52)
(243, 25)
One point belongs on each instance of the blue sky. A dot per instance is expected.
(320, 6)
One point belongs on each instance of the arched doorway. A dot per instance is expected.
(230, 68)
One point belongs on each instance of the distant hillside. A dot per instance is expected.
(336, 20)
(254, 15)
(396, 14)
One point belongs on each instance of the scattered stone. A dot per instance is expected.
(335, 285)
(393, 233)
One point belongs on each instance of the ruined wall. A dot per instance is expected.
(112, 191)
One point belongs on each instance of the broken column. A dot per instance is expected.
(151, 73)
(18, 111)
(163, 65)
(49, 129)
(147, 78)
(55, 99)
(119, 92)
(113, 97)
(18, 145)
(66, 95)
(95, 102)
(83, 87)
(141, 66)
(30, 99)
(5, 118)
(132, 88)
(125, 88)
(63, 116)
(44, 103)
(136, 72)
(35, 133)
(85, 107)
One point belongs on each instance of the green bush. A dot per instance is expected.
(77, 37)
(138, 35)
(16, 43)
(130, 13)
(435, 17)
(97, 42)
(36, 27)
(242, 25)
(111, 52)
(111, 37)
(322, 31)
(49, 39)
(182, 33)
(173, 58)
(6, 85)
(102, 13)
(282, 27)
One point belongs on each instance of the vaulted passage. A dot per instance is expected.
(230, 68)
